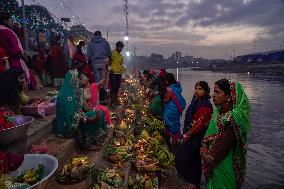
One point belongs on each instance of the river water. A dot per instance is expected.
(265, 160)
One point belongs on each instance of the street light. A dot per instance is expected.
(126, 38)
(127, 53)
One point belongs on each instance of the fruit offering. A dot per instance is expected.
(117, 153)
(109, 178)
(76, 170)
(31, 176)
(142, 182)
(144, 164)
(154, 124)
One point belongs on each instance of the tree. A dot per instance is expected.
(38, 17)
(80, 33)
(9, 6)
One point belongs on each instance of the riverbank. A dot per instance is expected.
(273, 69)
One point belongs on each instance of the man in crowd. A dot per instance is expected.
(98, 52)
(117, 68)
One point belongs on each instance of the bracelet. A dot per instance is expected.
(85, 119)
(203, 150)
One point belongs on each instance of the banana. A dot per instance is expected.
(30, 174)
(31, 180)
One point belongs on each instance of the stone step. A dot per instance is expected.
(95, 156)
(62, 149)
(63, 157)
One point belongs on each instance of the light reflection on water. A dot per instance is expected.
(265, 160)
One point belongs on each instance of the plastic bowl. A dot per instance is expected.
(49, 162)
(8, 136)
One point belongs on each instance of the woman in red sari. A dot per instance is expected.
(79, 56)
(58, 60)
(197, 117)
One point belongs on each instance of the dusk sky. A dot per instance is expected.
(206, 28)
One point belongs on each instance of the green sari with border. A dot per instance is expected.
(230, 172)
(69, 110)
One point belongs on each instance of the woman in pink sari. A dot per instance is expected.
(91, 94)
(11, 44)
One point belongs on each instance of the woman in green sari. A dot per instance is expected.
(224, 145)
(74, 117)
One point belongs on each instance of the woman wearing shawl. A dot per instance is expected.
(174, 106)
(11, 44)
(79, 56)
(74, 117)
(58, 60)
(197, 117)
(223, 147)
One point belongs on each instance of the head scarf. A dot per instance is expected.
(162, 72)
(240, 112)
(232, 168)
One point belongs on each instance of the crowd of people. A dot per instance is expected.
(48, 67)
(210, 141)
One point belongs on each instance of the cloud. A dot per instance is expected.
(168, 25)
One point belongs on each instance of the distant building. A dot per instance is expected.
(176, 55)
(270, 56)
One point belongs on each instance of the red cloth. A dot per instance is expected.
(202, 117)
(87, 71)
(10, 44)
(33, 82)
(175, 137)
(39, 67)
(3, 62)
(152, 72)
(162, 72)
(81, 57)
(59, 64)
(10, 161)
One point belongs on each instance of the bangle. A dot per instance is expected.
(203, 150)
(85, 119)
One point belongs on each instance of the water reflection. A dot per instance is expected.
(265, 163)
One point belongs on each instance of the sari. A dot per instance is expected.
(157, 107)
(69, 110)
(188, 160)
(230, 171)
(13, 47)
(59, 65)
(93, 101)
